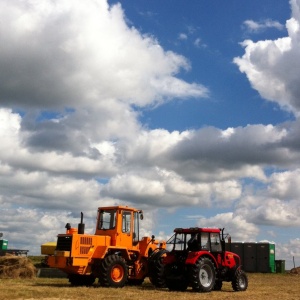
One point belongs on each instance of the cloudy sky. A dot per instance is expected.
(189, 112)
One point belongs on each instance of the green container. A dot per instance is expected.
(3, 244)
(280, 266)
(272, 258)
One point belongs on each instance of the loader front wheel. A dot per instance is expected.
(113, 271)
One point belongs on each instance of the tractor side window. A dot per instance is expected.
(205, 241)
(107, 219)
(193, 242)
(215, 242)
(126, 221)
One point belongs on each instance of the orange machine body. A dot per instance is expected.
(117, 234)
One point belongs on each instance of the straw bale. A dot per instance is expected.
(16, 267)
(295, 271)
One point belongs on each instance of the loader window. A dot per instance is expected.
(136, 228)
(126, 221)
(107, 219)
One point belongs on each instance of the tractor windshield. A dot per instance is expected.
(183, 241)
(177, 242)
(107, 219)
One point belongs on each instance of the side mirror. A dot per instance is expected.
(141, 215)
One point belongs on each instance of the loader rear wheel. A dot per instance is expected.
(240, 281)
(81, 280)
(135, 281)
(113, 271)
(203, 275)
(156, 268)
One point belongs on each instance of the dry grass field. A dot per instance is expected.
(261, 286)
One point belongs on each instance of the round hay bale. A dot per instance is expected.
(16, 267)
(295, 271)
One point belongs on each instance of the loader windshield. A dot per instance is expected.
(107, 219)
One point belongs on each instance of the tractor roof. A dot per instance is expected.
(196, 229)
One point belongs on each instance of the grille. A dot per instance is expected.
(86, 240)
(64, 243)
(84, 250)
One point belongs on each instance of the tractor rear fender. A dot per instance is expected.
(194, 256)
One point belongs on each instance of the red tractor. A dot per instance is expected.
(198, 259)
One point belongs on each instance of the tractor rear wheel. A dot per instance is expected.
(176, 285)
(113, 271)
(175, 276)
(218, 285)
(240, 281)
(156, 268)
(203, 275)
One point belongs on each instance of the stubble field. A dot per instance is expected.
(261, 286)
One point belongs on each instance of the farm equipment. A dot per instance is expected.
(199, 259)
(115, 253)
(4, 250)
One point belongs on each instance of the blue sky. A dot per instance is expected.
(209, 33)
(187, 110)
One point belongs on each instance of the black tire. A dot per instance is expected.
(113, 271)
(156, 268)
(203, 275)
(240, 281)
(135, 281)
(218, 285)
(81, 280)
(177, 285)
(175, 276)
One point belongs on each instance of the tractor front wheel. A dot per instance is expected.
(240, 281)
(113, 271)
(203, 275)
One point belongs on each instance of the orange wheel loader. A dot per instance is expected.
(115, 254)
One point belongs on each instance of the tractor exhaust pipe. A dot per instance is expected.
(81, 225)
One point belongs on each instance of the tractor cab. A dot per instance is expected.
(196, 239)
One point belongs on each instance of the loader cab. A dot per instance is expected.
(121, 223)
